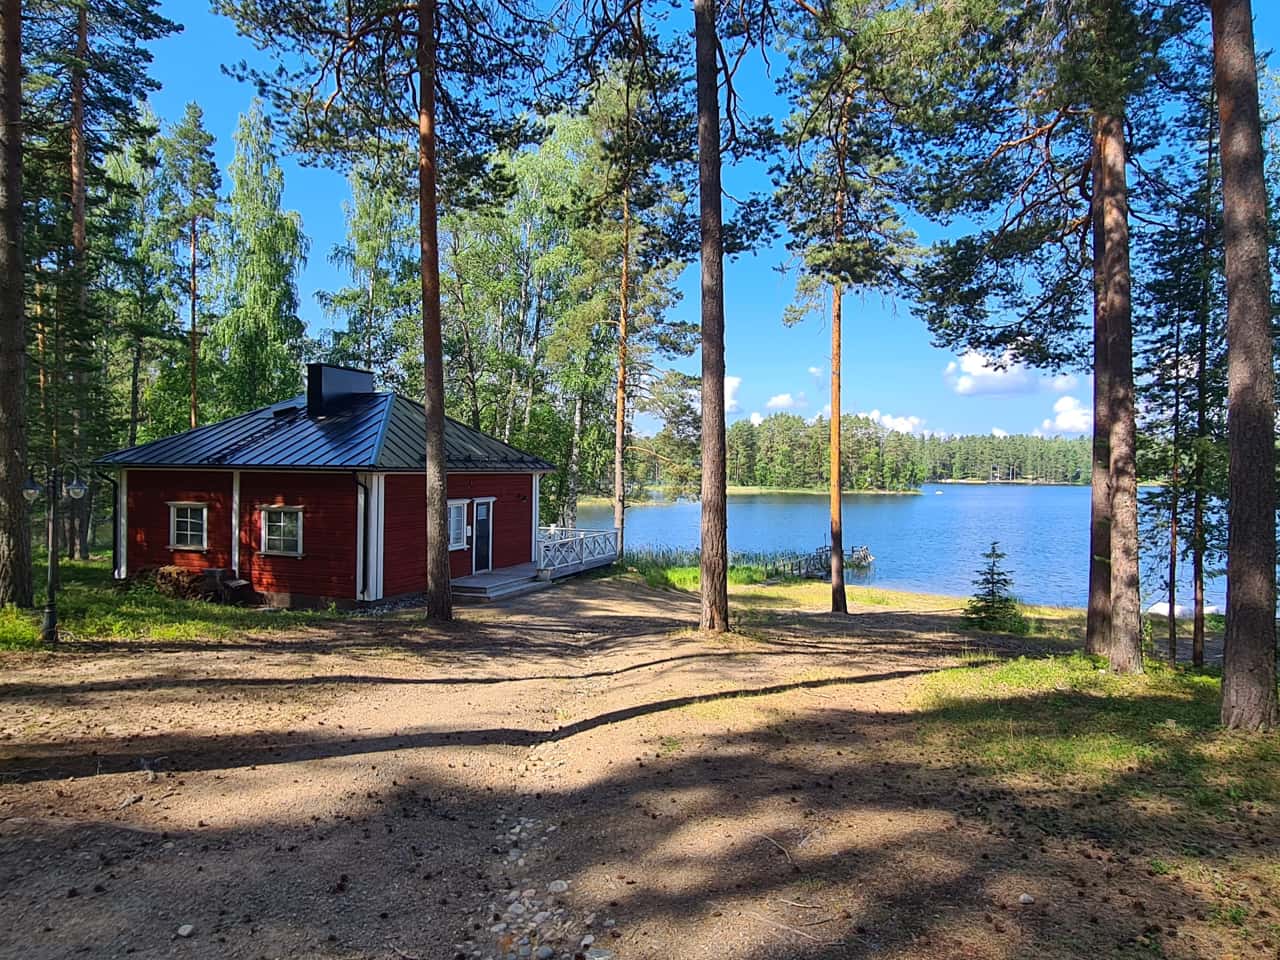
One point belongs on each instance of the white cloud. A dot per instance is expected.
(815, 372)
(731, 385)
(1063, 382)
(1069, 416)
(997, 432)
(975, 374)
(787, 401)
(899, 424)
(756, 419)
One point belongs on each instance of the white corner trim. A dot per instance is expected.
(370, 543)
(235, 521)
(379, 529)
(536, 502)
(362, 483)
(122, 527)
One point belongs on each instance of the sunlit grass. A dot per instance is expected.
(92, 607)
(1061, 716)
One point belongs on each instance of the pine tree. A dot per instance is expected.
(1249, 699)
(193, 180)
(1024, 120)
(259, 248)
(141, 269)
(835, 195)
(714, 555)
(15, 532)
(993, 606)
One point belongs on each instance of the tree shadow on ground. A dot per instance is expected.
(769, 828)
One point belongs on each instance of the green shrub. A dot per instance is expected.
(18, 630)
(993, 606)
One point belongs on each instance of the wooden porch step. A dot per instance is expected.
(480, 593)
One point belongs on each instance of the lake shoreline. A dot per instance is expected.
(736, 491)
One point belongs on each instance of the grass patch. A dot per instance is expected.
(19, 629)
(668, 569)
(1062, 717)
(92, 607)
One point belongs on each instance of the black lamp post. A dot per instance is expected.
(53, 490)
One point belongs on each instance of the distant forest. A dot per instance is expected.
(785, 450)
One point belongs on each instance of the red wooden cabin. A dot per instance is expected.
(321, 498)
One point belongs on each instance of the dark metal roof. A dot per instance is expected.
(367, 431)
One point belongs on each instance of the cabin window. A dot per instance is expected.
(188, 526)
(457, 524)
(282, 531)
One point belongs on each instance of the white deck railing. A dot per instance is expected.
(568, 549)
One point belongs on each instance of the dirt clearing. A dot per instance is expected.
(574, 773)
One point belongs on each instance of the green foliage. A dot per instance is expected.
(841, 178)
(18, 629)
(254, 348)
(378, 311)
(784, 451)
(672, 569)
(993, 606)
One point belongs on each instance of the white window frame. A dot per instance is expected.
(263, 510)
(174, 507)
(455, 544)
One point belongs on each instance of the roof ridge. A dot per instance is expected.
(375, 461)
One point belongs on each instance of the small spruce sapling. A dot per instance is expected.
(993, 606)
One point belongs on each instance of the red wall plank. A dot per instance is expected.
(327, 567)
(405, 565)
(149, 493)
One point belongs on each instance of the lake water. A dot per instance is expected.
(931, 543)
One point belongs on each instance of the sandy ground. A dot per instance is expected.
(381, 789)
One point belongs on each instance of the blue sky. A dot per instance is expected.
(890, 367)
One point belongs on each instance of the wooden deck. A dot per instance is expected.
(560, 553)
(503, 582)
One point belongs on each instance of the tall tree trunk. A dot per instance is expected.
(77, 519)
(135, 377)
(1249, 648)
(1197, 468)
(513, 383)
(439, 589)
(839, 602)
(194, 333)
(715, 545)
(15, 531)
(1125, 648)
(1174, 489)
(1098, 620)
(1202, 391)
(533, 362)
(620, 393)
(573, 469)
